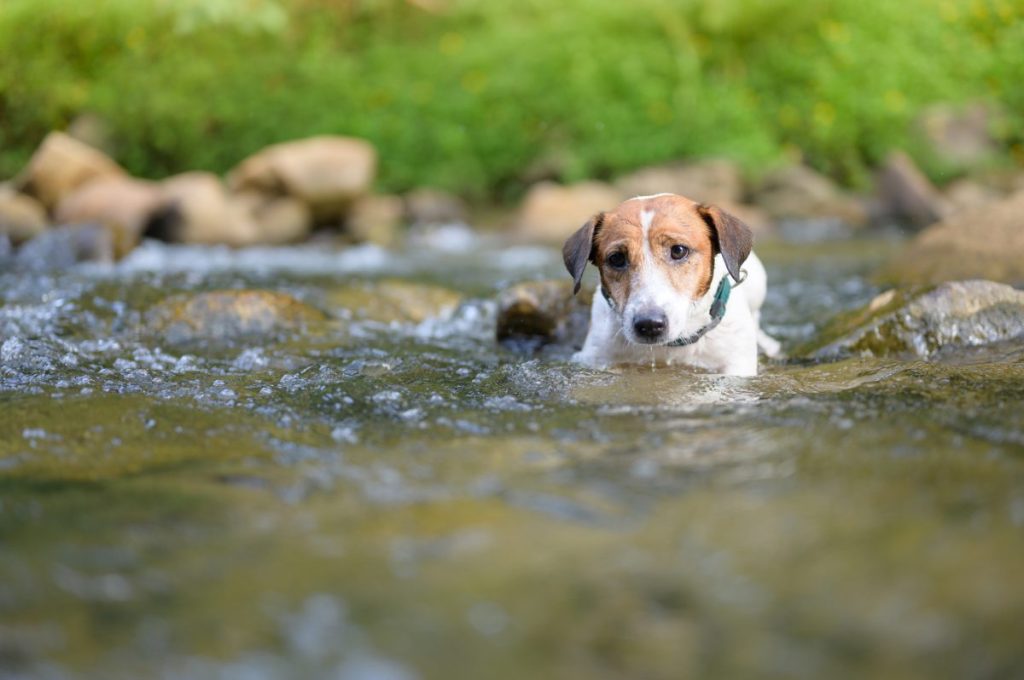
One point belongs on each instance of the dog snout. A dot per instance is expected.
(650, 324)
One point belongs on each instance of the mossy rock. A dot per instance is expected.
(392, 300)
(225, 316)
(543, 312)
(924, 320)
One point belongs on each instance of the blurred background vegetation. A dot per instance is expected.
(482, 96)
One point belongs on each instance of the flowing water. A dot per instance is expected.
(383, 496)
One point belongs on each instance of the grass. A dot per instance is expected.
(483, 95)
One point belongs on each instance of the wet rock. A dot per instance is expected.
(985, 242)
(327, 173)
(958, 137)
(925, 321)
(21, 217)
(708, 181)
(228, 315)
(122, 204)
(551, 212)
(392, 300)
(277, 219)
(375, 219)
(61, 165)
(62, 247)
(907, 195)
(538, 313)
(432, 207)
(798, 193)
(199, 210)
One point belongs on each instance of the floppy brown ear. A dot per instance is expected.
(732, 238)
(578, 249)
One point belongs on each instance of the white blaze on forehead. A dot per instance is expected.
(652, 286)
(645, 221)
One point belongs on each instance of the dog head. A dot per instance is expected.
(656, 258)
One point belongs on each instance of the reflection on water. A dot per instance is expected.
(378, 498)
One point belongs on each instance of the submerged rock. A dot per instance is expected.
(924, 321)
(392, 300)
(538, 313)
(227, 315)
(985, 242)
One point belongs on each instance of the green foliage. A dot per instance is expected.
(483, 94)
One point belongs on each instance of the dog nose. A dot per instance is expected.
(650, 324)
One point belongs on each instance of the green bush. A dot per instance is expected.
(483, 94)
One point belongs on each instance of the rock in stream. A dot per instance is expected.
(227, 315)
(922, 322)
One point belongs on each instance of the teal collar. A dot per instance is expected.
(717, 312)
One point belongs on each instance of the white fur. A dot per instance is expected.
(644, 198)
(730, 348)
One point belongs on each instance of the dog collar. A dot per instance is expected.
(717, 312)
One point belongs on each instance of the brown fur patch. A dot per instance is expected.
(674, 221)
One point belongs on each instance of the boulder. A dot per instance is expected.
(393, 301)
(375, 219)
(227, 316)
(537, 313)
(61, 165)
(906, 195)
(958, 137)
(708, 181)
(431, 206)
(200, 211)
(797, 192)
(327, 173)
(551, 212)
(965, 194)
(21, 217)
(58, 248)
(122, 204)
(922, 322)
(278, 220)
(1017, 183)
(987, 242)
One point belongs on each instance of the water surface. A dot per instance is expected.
(379, 499)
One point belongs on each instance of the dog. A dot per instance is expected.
(670, 292)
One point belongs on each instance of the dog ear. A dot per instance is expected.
(732, 238)
(579, 249)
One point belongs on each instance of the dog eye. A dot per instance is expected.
(678, 252)
(617, 260)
